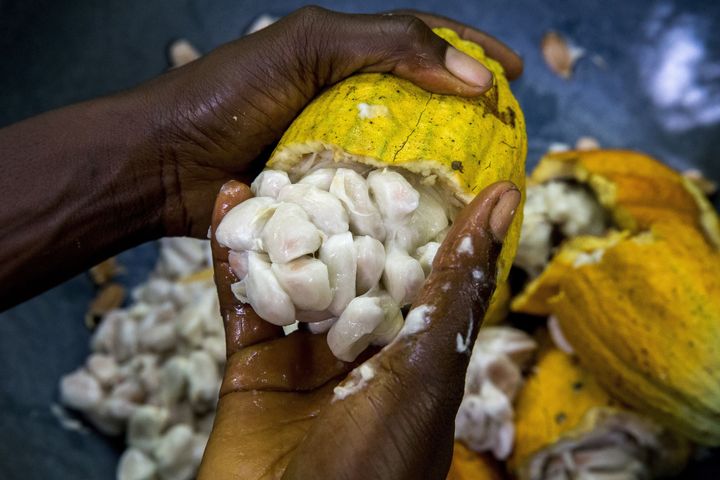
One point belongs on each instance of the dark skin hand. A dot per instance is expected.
(87, 181)
(277, 417)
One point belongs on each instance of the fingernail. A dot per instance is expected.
(467, 68)
(503, 214)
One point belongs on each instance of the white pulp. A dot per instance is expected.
(341, 249)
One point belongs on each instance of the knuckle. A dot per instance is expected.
(311, 14)
(412, 26)
(414, 37)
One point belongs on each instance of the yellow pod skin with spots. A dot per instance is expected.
(644, 317)
(379, 120)
(641, 304)
(469, 465)
(563, 413)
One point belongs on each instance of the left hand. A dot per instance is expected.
(214, 118)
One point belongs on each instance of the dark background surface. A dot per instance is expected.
(58, 52)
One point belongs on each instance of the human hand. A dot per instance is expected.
(219, 114)
(277, 416)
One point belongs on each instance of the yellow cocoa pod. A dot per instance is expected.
(643, 314)
(469, 465)
(564, 420)
(635, 188)
(640, 306)
(380, 120)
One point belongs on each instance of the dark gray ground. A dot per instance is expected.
(650, 80)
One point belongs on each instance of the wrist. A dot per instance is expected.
(157, 153)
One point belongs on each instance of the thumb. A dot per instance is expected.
(393, 417)
(337, 45)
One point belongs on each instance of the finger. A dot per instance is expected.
(243, 326)
(511, 61)
(401, 403)
(337, 45)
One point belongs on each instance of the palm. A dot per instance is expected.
(278, 416)
(259, 430)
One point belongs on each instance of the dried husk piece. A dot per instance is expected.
(560, 55)
(105, 271)
(110, 297)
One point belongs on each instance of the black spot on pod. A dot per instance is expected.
(457, 165)
(560, 417)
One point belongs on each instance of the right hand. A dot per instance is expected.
(276, 416)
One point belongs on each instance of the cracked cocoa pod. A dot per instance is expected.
(378, 120)
(640, 304)
(567, 423)
(642, 312)
(636, 189)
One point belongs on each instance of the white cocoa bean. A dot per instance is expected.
(117, 408)
(209, 310)
(173, 379)
(130, 390)
(338, 253)
(80, 390)
(320, 178)
(395, 197)
(215, 346)
(425, 223)
(200, 441)
(403, 276)
(238, 263)
(180, 256)
(352, 190)
(265, 293)
(174, 452)
(239, 291)
(374, 318)
(157, 332)
(135, 465)
(289, 234)
(324, 209)
(145, 427)
(269, 183)
(154, 292)
(203, 381)
(426, 256)
(125, 344)
(370, 255)
(104, 368)
(144, 368)
(103, 338)
(241, 227)
(306, 282)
